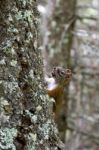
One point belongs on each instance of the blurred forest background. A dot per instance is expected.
(70, 38)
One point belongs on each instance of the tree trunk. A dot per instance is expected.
(60, 27)
(83, 115)
(26, 120)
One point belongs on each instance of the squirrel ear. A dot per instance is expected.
(68, 73)
(68, 70)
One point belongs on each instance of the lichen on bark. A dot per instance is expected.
(25, 105)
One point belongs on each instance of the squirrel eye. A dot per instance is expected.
(62, 73)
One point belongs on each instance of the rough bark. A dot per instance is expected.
(26, 121)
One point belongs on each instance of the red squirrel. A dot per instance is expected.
(56, 84)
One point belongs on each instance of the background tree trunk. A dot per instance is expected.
(60, 27)
(83, 114)
(83, 106)
(26, 121)
(57, 43)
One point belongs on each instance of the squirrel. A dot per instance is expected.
(56, 84)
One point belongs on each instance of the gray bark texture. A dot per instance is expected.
(59, 36)
(83, 114)
(26, 120)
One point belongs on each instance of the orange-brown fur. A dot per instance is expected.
(61, 77)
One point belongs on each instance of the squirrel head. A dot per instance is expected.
(61, 75)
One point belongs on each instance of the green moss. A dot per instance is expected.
(24, 15)
(13, 63)
(2, 62)
(7, 137)
(32, 138)
(7, 47)
(45, 129)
